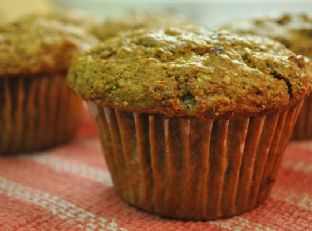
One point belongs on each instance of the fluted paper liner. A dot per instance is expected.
(193, 168)
(303, 127)
(36, 112)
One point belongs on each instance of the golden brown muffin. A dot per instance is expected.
(137, 20)
(180, 74)
(39, 110)
(193, 123)
(76, 18)
(295, 32)
(13, 9)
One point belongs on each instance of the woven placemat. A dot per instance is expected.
(69, 188)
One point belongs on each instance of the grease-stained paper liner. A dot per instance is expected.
(36, 112)
(193, 168)
(303, 127)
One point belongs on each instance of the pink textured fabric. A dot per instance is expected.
(69, 188)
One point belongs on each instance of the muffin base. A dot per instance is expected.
(194, 169)
(36, 112)
(303, 127)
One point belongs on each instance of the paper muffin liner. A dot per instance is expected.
(303, 127)
(193, 169)
(36, 112)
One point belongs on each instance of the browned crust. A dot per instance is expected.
(208, 114)
(36, 44)
(291, 29)
(189, 71)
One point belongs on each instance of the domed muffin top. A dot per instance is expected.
(189, 71)
(293, 30)
(39, 44)
(133, 21)
(79, 19)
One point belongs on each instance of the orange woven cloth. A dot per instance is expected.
(69, 188)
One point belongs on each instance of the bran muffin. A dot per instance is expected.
(295, 32)
(39, 110)
(78, 19)
(193, 123)
(136, 20)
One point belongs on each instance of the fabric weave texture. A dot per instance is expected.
(69, 188)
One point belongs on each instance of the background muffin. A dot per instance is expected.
(136, 20)
(79, 19)
(13, 9)
(38, 108)
(295, 32)
(193, 123)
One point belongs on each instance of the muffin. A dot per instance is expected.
(79, 19)
(136, 20)
(295, 32)
(193, 123)
(38, 108)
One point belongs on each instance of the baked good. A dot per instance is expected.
(76, 18)
(295, 32)
(193, 123)
(136, 20)
(39, 110)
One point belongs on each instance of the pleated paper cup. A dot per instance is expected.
(303, 127)
(192, 168)
(36, 112)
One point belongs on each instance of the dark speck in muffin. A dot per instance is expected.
(217, 50)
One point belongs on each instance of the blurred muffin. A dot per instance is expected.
(13, 9)
(295, 32)
(79, 19)
(137, 20)
(193, 123)
(39, 110)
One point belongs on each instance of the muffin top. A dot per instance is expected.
(293, 30)
(38, 44)
(78, 19)
(189, 71)
(136, 20)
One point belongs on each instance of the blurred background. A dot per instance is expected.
(209, 13)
